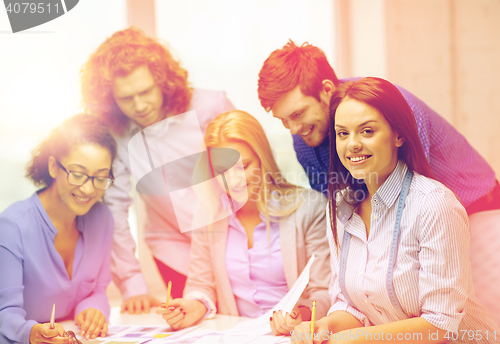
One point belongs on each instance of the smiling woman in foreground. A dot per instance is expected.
(400, 239)
(55, 247)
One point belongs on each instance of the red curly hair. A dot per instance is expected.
(120, 55)
(293, 65)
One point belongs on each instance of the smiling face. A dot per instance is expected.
(241, 188)
(90, 159)
(139, 97)
(366, 144)
(305, 115)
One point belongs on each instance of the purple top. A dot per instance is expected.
(33, 275)
(257, 279)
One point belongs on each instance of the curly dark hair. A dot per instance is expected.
(79, 129)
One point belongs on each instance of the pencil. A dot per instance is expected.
(313, 315)
(53, 317)
(169, 289)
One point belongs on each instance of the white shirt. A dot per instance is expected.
(432, 277)
(162, 233)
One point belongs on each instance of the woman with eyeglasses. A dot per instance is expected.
(55, 246)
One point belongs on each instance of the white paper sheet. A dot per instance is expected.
(260, 326)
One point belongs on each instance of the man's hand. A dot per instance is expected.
(92, 323)
(42, 333)
(139, 303)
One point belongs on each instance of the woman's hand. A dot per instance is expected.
(301, 334)
(283, 324)
(42, 333)
(139, 303)
(92, 323)
(182, 313)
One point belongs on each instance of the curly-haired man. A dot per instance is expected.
(132, 81)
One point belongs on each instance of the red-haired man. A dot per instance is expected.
(296, 83)
(132, 81)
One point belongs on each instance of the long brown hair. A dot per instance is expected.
(388, 100)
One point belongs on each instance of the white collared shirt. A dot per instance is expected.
(432, 277)
(161, 225)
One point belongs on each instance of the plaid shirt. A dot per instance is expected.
(452, 159)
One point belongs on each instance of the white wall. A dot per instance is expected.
(368, 56)
(224, 43)
(447, 53)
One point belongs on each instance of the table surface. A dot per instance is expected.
(218, 323)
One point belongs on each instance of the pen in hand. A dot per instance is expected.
(313, 315)
(53, 317)
(169, 289)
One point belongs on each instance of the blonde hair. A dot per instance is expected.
(239, 126)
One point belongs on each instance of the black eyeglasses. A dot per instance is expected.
(79, 178)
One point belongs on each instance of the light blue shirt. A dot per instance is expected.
(33, 275)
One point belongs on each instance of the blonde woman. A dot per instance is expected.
(248, 261)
